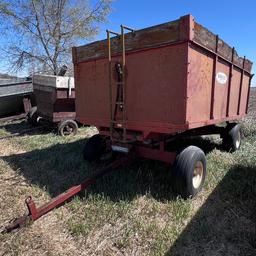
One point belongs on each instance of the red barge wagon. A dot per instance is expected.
(145, 89)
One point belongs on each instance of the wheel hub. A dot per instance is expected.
(68, 130)
(238, 140)
(198, 174)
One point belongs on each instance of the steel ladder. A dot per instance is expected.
(118, 124)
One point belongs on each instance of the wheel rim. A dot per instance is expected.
(198, 174)
(238, 140)
(68, 130)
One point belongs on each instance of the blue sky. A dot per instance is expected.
(234, 21)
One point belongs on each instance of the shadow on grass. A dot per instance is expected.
(15, 127)
(61, 166)
(20, 128)
(23, 127)
(226, 223)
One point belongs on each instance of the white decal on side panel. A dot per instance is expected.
(221, 78)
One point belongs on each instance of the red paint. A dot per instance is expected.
(155, 154)
(169, 89)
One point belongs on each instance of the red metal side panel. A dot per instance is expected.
(216, 93)
(234, 92)
(92, 92)
(221, 91)
(155, 85)
(199, 85)
(155, 89)
(244, 92)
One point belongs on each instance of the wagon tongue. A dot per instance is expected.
(37, 212)
(16, 224)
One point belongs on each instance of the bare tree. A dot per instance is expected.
(39, 34)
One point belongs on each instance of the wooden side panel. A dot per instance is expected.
(145, 38)
(206, 38)
(45, 101)
(183, 29)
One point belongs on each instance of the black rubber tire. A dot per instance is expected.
(183, 171)
(232, 138)
(94, 148)
(32, 116)
(68, 128)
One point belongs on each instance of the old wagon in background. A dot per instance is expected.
(55, 96)
(16, 98)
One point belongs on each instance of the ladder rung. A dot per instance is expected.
(120, 83)
(119, 103)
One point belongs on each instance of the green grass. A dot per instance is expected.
(133, 210)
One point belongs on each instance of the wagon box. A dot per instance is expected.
(145, 89)
(179, 76)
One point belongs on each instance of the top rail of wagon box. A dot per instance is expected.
(179, 31)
